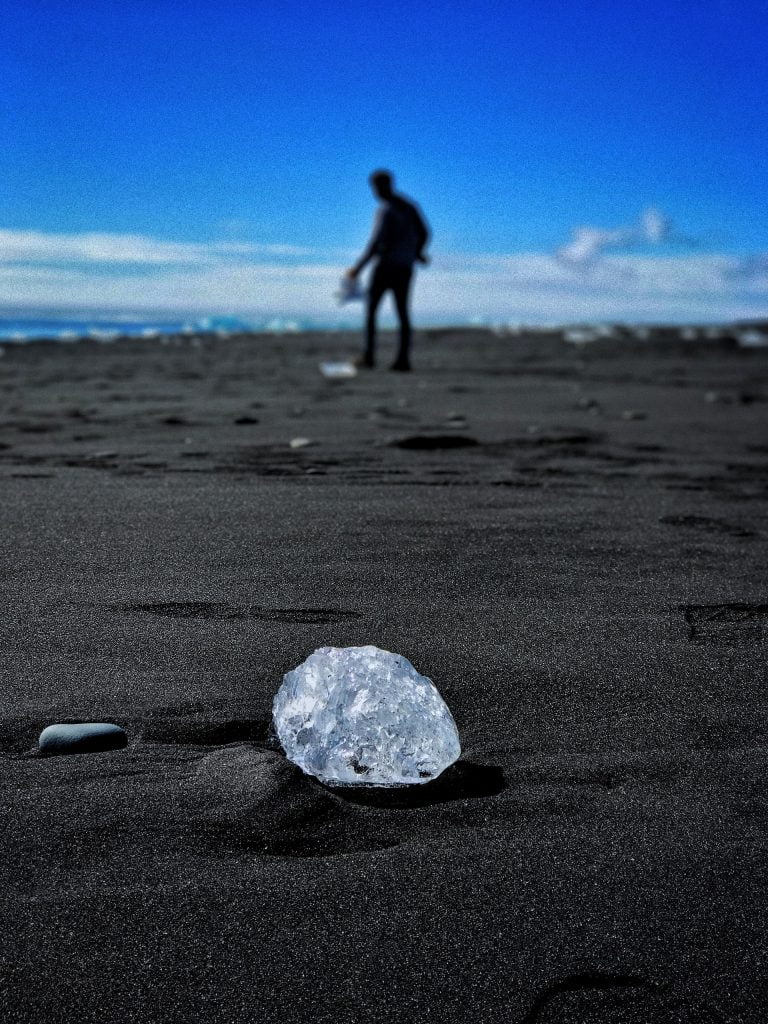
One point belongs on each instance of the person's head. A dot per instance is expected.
(381, 183)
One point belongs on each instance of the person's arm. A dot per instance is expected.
(422, 233)
(373, 246)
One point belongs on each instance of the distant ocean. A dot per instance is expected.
(20, 329)
(69, 328)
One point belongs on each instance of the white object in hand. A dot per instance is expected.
(350, 290)
(363, 716)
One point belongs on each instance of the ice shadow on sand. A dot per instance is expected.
(464, 780)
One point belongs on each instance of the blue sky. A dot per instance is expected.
(214, 157)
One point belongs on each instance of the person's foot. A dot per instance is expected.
(364, 362)
(401, 366)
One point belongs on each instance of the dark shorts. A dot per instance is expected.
(390, 277)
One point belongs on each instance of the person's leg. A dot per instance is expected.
(401, 288)
(376, 289)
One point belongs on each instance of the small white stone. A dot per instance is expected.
(364, 716)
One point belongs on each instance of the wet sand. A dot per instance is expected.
(570, 541)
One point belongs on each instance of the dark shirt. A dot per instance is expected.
(399, 233)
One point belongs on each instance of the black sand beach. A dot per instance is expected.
(570, 541)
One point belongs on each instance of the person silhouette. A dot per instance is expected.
(399, 236)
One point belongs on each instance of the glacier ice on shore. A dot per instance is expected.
(364, 716)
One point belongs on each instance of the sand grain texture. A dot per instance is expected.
(586, 588)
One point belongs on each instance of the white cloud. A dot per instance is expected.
(537, 288)
(752, 269)
(108, 273)
(100, 247)
(654, 225)
(588, 243)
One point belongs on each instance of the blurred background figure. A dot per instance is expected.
(399, 237)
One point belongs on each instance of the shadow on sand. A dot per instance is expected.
(464, 780)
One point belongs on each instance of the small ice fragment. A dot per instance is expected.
(590, 404)
(364, 716)
(751, 339)
(579, 336)
(338, 371)
(456, 419)
(300, 442)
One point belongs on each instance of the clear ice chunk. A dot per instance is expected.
(338, 370)
(361, 716)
